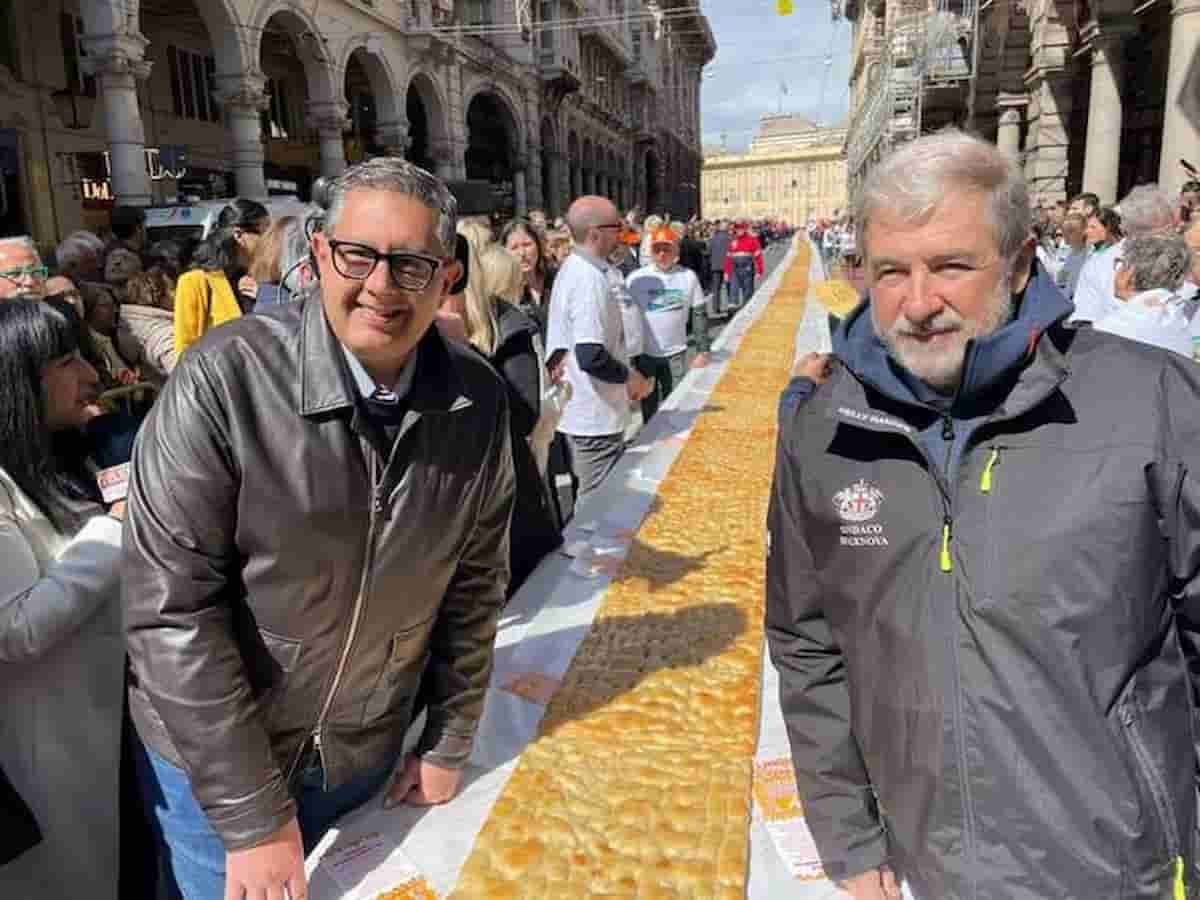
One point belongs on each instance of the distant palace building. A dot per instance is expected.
(794, 170)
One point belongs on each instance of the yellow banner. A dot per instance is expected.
(784, 7)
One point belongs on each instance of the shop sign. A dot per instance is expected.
(164, 163)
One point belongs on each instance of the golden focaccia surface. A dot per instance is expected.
(638, 784)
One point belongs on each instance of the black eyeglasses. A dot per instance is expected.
(610, 225)
(410, 271)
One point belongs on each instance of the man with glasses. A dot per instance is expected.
(322, 495)
(21, 269)
(586, 323)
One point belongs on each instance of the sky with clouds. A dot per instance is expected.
(757, 51)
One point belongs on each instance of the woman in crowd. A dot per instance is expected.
(509, 339)
(116, 363)
(267, 265)
(521, 239)
(148, 317)
(1103, 229)
(206, 296)
(61, 644)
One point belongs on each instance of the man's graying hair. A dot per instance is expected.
(391, 173)
(1145, 210)
(1157, 261)
(914, 181)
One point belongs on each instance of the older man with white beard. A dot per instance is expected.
(983, 583)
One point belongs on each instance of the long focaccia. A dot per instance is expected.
(638, 785)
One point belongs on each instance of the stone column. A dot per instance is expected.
(1008, 131)
(443, 158)
(118, 62)
(328, 117)
(576, 182)
(520, 186)
(1181, 137)
(1102, 158)
(243, 97)
(392, 135)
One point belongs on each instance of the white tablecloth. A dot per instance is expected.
(539, 632)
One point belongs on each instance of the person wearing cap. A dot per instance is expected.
(743, 263)
(665, 294)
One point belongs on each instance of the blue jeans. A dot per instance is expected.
(192, 853)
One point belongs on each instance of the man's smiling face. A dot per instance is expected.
(376, 319)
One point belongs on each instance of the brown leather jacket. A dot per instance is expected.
(285, 584)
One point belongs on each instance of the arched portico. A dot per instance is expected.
(494, 148)
(377, 113)
(428, 132)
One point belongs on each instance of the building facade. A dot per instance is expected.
(794, 170)
(154, 101)
(1090, 95)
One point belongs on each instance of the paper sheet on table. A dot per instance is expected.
(365, 865)
(778, 802)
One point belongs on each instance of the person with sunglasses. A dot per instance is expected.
(206, 296)
(319, 533)
(22, 272)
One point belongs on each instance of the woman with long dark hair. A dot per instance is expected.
(207, 295)
(523, 241)
(62, 654)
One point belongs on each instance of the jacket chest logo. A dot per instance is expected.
(857, 505)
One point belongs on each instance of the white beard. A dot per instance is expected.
(941, 368)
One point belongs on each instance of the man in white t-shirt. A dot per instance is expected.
(585, 323)
(666, 294)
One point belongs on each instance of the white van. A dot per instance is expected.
(194, 221)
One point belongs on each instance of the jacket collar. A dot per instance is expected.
(326, 385)
(1005, 374)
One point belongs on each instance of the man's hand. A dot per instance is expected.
(637, 385)
(423, 783)
(272, 870)
(876, 884)
(813, 365)
(247, 286)
(701, 360)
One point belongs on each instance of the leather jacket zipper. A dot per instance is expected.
(356, 615)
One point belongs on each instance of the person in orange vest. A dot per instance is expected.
(743, 263)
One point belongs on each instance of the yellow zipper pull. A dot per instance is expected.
(985, 483)
(1180, 889)
(947, 564)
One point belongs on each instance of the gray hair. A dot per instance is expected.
(917, 178)
(1145, 210)
(75, 248)
(21, 240)
(391, 173)
(1157, 261)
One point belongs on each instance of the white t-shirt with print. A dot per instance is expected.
(585, 309)
(665, 301)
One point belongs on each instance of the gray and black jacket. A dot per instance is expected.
(983, 613)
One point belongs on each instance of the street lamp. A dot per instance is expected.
(75, 110)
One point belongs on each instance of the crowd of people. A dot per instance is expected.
(1132, 268)
(197, 443)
